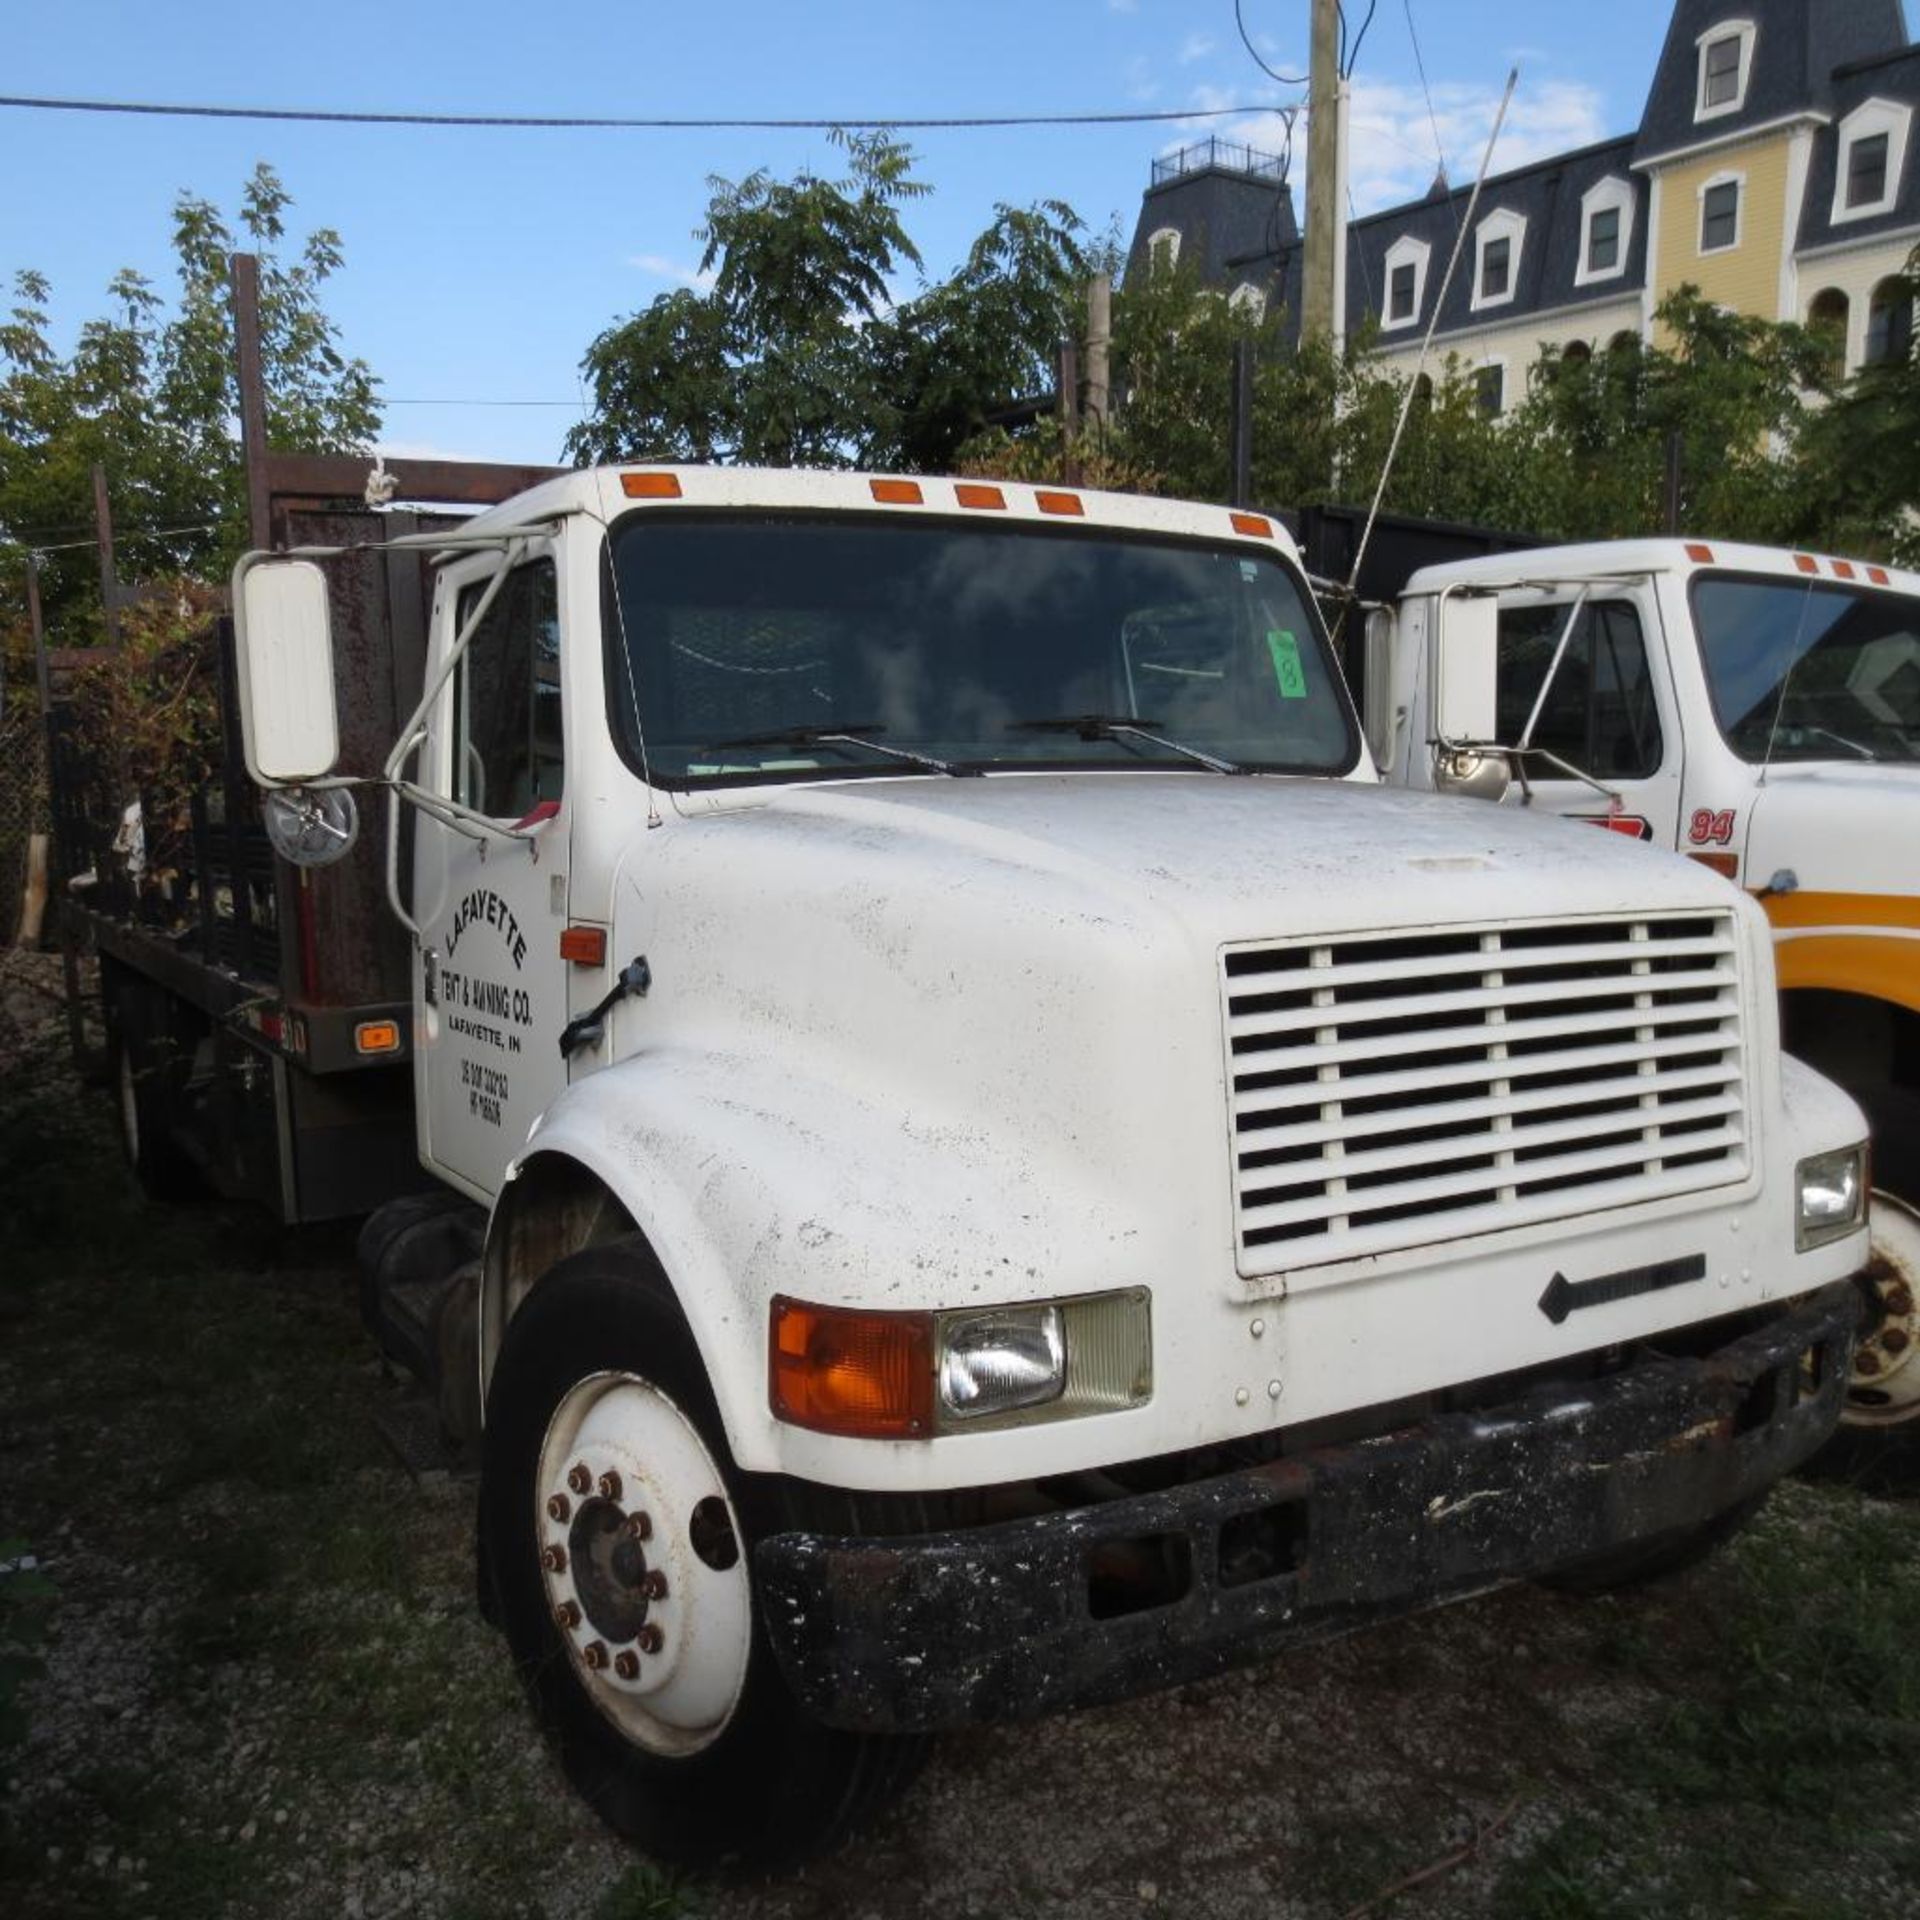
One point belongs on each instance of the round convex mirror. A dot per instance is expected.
(311, 826)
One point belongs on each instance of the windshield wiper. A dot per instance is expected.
(850, 733)
(1120, 726)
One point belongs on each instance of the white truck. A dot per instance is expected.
(1007, 1168)
(1756, 709)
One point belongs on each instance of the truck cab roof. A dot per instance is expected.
(605, 491)
(1612, 559)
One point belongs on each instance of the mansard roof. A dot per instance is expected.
(1798, 45)
(1547, 195)
(1895, 78)
(1233, 210)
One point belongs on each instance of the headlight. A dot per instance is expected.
(995, 1362)
(1832, 1197)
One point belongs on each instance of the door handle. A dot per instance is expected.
(589, 1029)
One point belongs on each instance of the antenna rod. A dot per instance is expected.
(1426, 345)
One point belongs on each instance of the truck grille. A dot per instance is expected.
(1396, 1088)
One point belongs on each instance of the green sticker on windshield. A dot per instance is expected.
(1288, 673)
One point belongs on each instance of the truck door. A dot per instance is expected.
(490, 906)
(1583, 681)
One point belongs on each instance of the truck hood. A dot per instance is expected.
(1227, 859)
(1838, 829)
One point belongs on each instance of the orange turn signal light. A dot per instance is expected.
(584, 946)
(377, 1036)
(970, 495)
(1068, 503)
(897, 493)
(844, 1370)
(650, 486)
(1726, 865)
(1253, 524)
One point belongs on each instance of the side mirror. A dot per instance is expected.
(283, 655)
(1465, 667)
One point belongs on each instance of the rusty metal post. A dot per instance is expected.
(253, 396)
(1240, 436)
(103, 534)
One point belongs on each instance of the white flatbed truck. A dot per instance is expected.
(994, 1165)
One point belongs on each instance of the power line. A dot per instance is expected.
(1420, 67)
(1350, 60)
(1285, 79)
(341, 117)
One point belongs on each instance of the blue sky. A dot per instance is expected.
(481, 263)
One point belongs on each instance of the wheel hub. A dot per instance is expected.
(1884, 1390)
(656, 1621)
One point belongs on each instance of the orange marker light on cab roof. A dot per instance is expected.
(1880, 576)
(650, 486)
(377, 1036)
(1701, 555)
(969, 494)
(843, 1370)
(1843, 569)
(1253, 524)
(1806, 563)
(897, 493)
(1067, 503)
(584, 946)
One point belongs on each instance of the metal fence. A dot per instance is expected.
(23, 798)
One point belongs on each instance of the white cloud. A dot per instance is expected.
(1196, 46)
(661, 268)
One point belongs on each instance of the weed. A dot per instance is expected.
(643, 1893)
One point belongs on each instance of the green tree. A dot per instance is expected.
(150, 393)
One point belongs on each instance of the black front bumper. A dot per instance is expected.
(1012, 1620)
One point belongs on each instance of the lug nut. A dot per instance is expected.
(640, 1526)
(650, 1639)
(1865, 1360)
(578, 1478)
(559, 1507)
(566, 1616)
(609, 1485)
(626, 1663)
(653, 1585)
(594, 1653)
(1895, 1340)
(554, 1559)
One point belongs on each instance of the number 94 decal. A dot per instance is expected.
(1710, 829)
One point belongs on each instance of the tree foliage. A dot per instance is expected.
(797, 355)
(150, 392)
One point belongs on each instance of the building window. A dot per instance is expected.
(1872, 159)
(1889, 324)
(1490, 390)
(1406, 277)
(1720, 216)
(1496, 270)
(1867, 171)
(1726, 66)
(1606, 229)
(1163, 249)
(1828, 319)
(1501, 238)
(1248, 303)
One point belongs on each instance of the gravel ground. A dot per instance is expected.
(266, 1690)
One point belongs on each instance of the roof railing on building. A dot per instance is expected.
(1220, 156)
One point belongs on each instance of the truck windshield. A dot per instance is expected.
(750, 643)
(1812, 672)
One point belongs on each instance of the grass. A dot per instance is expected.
(1774, 1777)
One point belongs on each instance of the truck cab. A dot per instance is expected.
(1756, 709)
(1011, 1170)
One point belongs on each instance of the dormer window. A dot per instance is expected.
(1606, 231)
(1502, 236)
(1163, 249)
(1726, 67)
(1406, 282)
(1872, 160)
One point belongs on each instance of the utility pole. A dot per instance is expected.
(1323, 306)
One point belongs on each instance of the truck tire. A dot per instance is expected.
(618, 1544)
(1657, 1559)
(1884, 1390)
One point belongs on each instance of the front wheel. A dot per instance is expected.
(619, 1539)
(1884, 1390)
